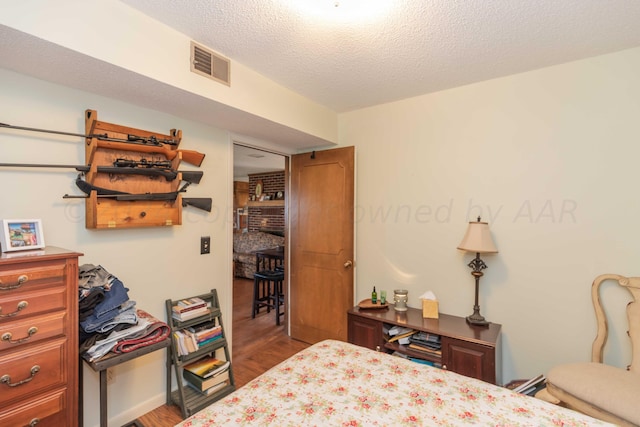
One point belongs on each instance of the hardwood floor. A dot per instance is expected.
(258, 345)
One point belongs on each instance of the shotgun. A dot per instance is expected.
(125, 167)
(132, 143)
(203, 203)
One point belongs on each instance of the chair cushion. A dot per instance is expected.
(609, 388)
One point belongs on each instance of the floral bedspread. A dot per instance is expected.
(334, 383)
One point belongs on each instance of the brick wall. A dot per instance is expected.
(267, 217)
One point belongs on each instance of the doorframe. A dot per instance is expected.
(286, 154)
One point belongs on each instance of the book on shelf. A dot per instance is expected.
(183, 343)
(205, 335)
(184, 310)
(425, 344)
(404, 341)
(416, 359)
(180, 308)
(425, 337)
(187, 342)
(202, 384)
(189, 302)
(210, 390)
(398, 330)
(202, 327)
(424, 349)
(207, 367)
(402, 335)
(192, 314)
(422, 361)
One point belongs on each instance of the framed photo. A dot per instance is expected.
(21, 234)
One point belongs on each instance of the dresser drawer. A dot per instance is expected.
(15, 278)
(31, 330)
(39, 367)
(19, 304)
(45, 411)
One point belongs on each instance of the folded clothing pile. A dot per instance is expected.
(147, 331)
(109, 320)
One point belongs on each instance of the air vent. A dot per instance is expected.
(209, 64)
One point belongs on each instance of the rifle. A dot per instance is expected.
(126, 167)
(131, 139)
(203, 203)
(141, 144)
(189, 156)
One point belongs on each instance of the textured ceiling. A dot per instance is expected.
(247, 161)
(414, 47)
(340, 60)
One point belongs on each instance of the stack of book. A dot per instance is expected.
(190, 308)
(207, 375)
(399, 333)
(205, 333)
(428, 343)
(532, 386)
(191, 339)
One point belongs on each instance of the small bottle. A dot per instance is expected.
(374, 296)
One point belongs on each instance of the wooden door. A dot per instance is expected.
(321, 216)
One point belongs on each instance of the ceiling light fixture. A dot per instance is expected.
(342, 10)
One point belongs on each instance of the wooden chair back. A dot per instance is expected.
(632, 284)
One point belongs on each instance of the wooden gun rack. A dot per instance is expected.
(105, 212)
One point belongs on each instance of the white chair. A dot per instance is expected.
(605, 392)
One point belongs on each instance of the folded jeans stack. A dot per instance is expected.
(109, 320)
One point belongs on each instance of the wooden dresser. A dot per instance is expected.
(39, 338)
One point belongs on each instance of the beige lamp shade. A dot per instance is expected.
(478, 239)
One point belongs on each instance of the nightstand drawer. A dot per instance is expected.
(48, 410)
(31, 330)
(31, 369)
(19, 304)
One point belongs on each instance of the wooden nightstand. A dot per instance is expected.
(469, 350)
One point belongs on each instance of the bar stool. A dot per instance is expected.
(279, 293)
(268, 292)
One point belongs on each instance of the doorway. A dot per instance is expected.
(259, 219)
(320, 242)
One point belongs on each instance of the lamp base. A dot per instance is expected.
(477, 319)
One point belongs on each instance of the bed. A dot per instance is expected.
(333, 383)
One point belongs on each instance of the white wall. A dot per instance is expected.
(549, 158)
(154, 263)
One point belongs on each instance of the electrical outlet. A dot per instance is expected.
(205, 245)
(110, 376)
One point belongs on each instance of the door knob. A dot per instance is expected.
(348, 264)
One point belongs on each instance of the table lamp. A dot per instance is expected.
(477, 239)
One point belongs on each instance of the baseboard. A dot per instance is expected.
(127, 418)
